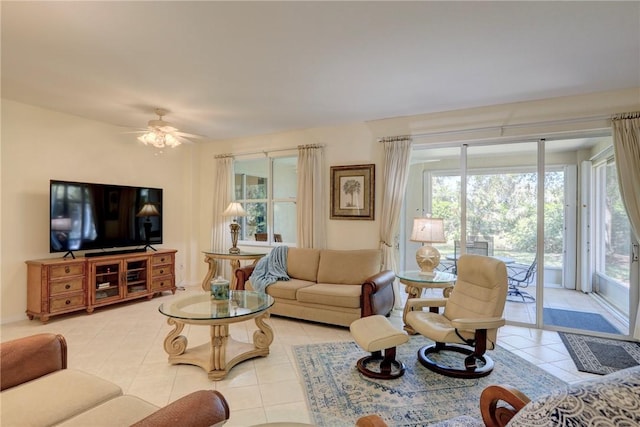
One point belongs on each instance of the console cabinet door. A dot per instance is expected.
(105, 280)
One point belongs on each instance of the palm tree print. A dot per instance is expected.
(351, 187)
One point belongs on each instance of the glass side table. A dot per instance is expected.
(211, 257)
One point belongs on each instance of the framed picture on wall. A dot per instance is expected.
(353, 192)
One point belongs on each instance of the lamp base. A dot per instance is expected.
(235, 231)
(427, 258)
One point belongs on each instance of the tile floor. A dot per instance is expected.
(124, 343)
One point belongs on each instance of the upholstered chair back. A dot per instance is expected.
(480, 291)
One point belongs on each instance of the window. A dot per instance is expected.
(612, 237)
(266, 188)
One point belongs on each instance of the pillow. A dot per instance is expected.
(613, 400)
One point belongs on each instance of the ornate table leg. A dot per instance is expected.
(213, 267)
(235, 264)
(264, 336)
(175, 344)
(219, 338)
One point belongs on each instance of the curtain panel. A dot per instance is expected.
(222, 196)
(626, 146)
(310, 200)
(395, 174)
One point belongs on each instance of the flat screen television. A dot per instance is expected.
(87, 216)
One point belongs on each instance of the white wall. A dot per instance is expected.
(39, 145)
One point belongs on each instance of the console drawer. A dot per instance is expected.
(162, 259)
(161, 270)
(66, 286)
(61, 271)
(162, 284)
(67, 303)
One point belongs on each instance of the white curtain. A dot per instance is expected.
(395, 174)
(310, 200)
(222, 196)
(626, 146)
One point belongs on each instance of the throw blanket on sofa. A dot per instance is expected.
(270, 269)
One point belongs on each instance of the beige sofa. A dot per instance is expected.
(329, 286)
(37, 389)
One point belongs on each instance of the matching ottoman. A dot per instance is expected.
(374, 334)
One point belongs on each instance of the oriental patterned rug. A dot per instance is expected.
(337, 394)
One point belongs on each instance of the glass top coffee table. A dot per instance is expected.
(222, 352)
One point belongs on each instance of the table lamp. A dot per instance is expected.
(428, 230)
(234, 210)
(147, 210)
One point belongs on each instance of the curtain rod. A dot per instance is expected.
(504, 127)
(266, 152)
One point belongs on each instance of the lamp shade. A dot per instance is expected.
(148, 209)
(234, 209)
(428, 230)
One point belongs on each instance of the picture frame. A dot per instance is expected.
(353, 192)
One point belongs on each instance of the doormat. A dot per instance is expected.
(337, 394)
(600, 355)
(578, 320)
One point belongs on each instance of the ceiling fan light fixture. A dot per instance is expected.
(159, 139)
(160, 133)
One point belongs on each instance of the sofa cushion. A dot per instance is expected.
(330, 294)
(121, 411)
(302, 263)
(53, 398)
(349, 267)
(287, 289)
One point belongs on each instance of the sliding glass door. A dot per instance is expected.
(559, 227)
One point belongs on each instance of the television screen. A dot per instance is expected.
(86, 216)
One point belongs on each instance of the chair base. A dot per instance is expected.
(473, 369)
(385, 368)
(516, 295)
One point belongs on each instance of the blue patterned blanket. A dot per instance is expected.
(270, 269)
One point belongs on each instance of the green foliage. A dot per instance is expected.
(502, 206)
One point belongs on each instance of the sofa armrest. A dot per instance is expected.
(25, 359)
(377, 294)
(242, 275)
(199, 409)
(497, 414)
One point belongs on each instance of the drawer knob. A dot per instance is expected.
(67, 269)
(162, 259)
(68, 302)
(161, 284)
(67, 286)
(161, 271)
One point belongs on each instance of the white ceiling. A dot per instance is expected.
(232, 69)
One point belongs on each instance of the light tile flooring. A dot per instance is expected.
(124, 343)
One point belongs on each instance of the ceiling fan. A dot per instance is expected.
(161, 134)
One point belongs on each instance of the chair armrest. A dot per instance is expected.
(496, 414)
(25, 359)
(199, 409)
(242, 275)
(376, 294)
(473, 324)
(417, 304)
(371, 421)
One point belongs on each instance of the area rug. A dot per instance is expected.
(338, 394)
(601, 355)
(578, 320)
